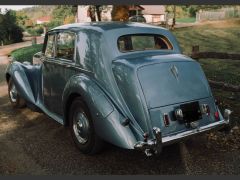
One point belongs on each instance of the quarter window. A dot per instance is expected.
(65, 45)
(50, 46)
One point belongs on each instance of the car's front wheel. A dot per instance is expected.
(15, 99)
(82, 129)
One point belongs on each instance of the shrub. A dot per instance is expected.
(36, 31)
(26, 53)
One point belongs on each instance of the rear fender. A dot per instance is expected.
(106, 118)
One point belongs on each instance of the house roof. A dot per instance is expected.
(153, 9)
(44, 19)
(135, 7)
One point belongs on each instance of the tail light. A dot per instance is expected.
(216, 115)
(166, 119)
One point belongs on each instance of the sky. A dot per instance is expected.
(14, 7)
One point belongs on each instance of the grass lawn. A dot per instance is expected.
(186, 20)
(26, 53)
(222, 36)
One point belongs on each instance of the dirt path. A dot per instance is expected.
(5, 50)
(32, 143)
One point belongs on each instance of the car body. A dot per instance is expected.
(138, 96)
(137, 18)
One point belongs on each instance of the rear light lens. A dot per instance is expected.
(166, 119)
(216, 115)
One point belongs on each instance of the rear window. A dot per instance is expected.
(141, 42)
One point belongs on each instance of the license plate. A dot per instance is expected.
(191, 112)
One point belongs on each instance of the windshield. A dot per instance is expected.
(140, 42)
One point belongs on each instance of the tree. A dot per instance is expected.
(63, 11)
(120, 13)
(94, 12)
(69, 19)
(10, 32)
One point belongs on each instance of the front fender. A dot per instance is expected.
(106, 118)
(20, 76)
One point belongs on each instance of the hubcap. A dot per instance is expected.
(13, 93)
(81, 127)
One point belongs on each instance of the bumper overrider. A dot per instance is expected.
(154, 146)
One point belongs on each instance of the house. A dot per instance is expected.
(153, 13)
(45, 19)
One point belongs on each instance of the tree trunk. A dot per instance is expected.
(174, 17)
(91, 12)
(98, 12)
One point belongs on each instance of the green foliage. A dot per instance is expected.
(194, 8)
(36, 12)
(61, 12)
(10, 32)
(54, 23)
(69, 19)
(221, 37)
(35, 31)
(189, 10)
(26, 53)
(186, 20)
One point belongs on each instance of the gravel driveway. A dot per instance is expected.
(32, 143)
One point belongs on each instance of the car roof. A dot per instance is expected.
(105, 26)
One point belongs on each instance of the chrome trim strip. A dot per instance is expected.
(67, 64)
(179, 136)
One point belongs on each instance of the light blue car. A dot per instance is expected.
(123, 83)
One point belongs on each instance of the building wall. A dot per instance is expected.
(106, 13)
(158, 18)
(82, 14)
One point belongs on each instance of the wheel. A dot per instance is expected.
(82, 129)
(15, 99)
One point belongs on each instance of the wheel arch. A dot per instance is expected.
(67, 106)
(106, 117)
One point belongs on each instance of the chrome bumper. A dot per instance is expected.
(154, 146)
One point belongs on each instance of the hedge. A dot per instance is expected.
(26, 53)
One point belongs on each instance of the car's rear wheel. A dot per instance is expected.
(15, 99)
(82, 129)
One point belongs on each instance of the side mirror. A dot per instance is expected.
(37, 58)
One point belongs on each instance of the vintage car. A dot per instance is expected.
(123, 83)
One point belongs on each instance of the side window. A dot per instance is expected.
(65, 45)
(49, 52)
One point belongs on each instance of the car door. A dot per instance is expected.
(47, 69)
(64, 63)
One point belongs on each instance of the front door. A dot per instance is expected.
(63, 68)
(58, 67)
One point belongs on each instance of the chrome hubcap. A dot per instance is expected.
(13, 93)
(81, 127)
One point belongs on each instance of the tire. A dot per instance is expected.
(15, 99)
(82, 129)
